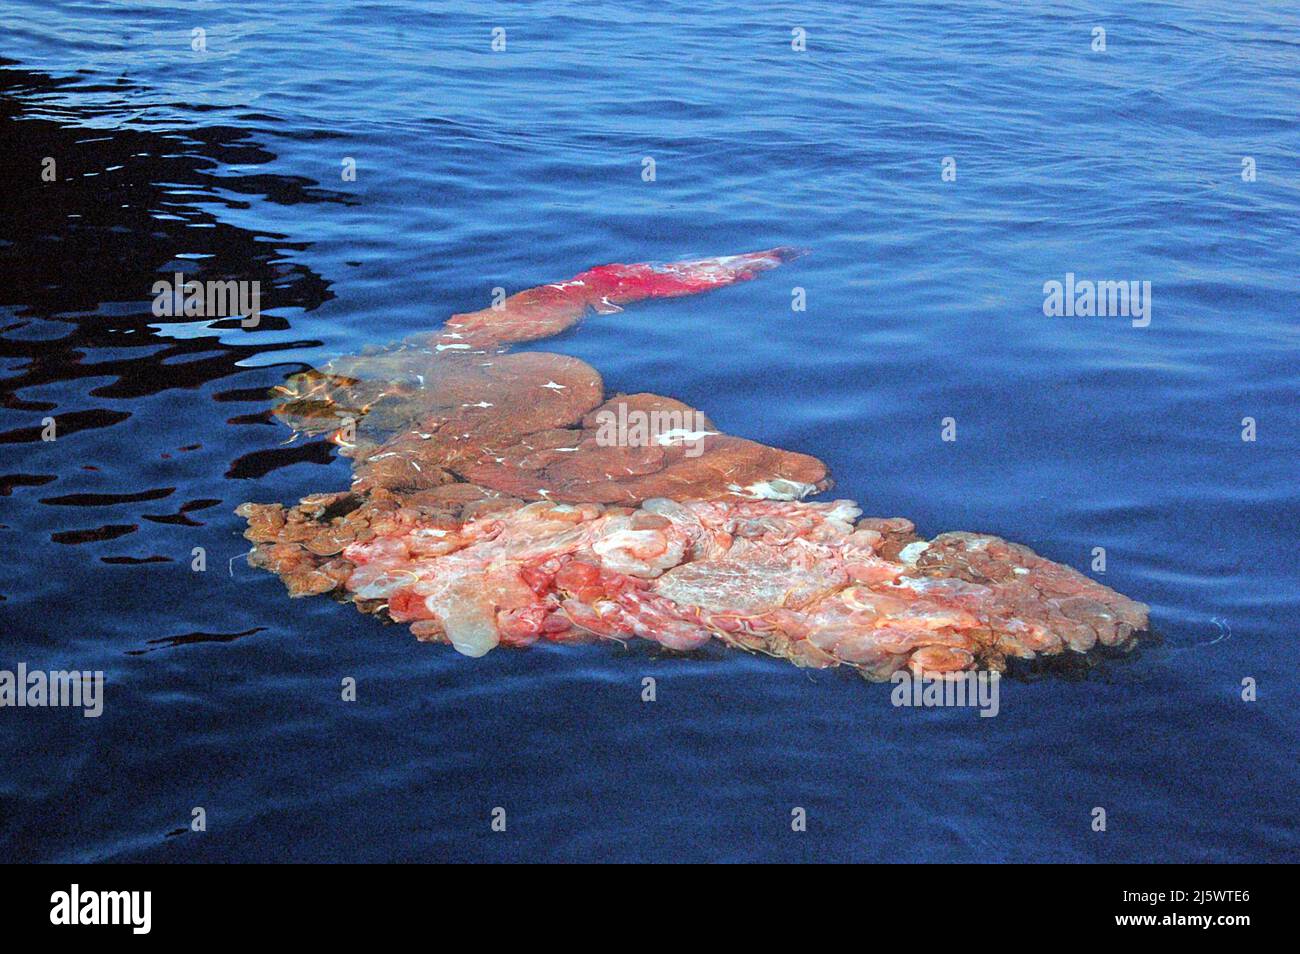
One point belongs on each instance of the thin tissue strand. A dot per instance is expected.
(485, 510)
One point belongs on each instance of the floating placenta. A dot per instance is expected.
(489, 506)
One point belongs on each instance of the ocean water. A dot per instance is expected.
(478, 169)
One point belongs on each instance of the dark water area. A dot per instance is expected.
(479, 169)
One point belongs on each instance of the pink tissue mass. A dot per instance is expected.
(486, 510)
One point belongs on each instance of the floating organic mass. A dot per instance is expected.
(501, 498)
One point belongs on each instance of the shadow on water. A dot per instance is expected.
(79, 256)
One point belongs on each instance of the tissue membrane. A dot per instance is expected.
(488, 507)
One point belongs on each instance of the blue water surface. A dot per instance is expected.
(479, 169)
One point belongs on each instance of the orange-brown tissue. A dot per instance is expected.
(502, 498)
